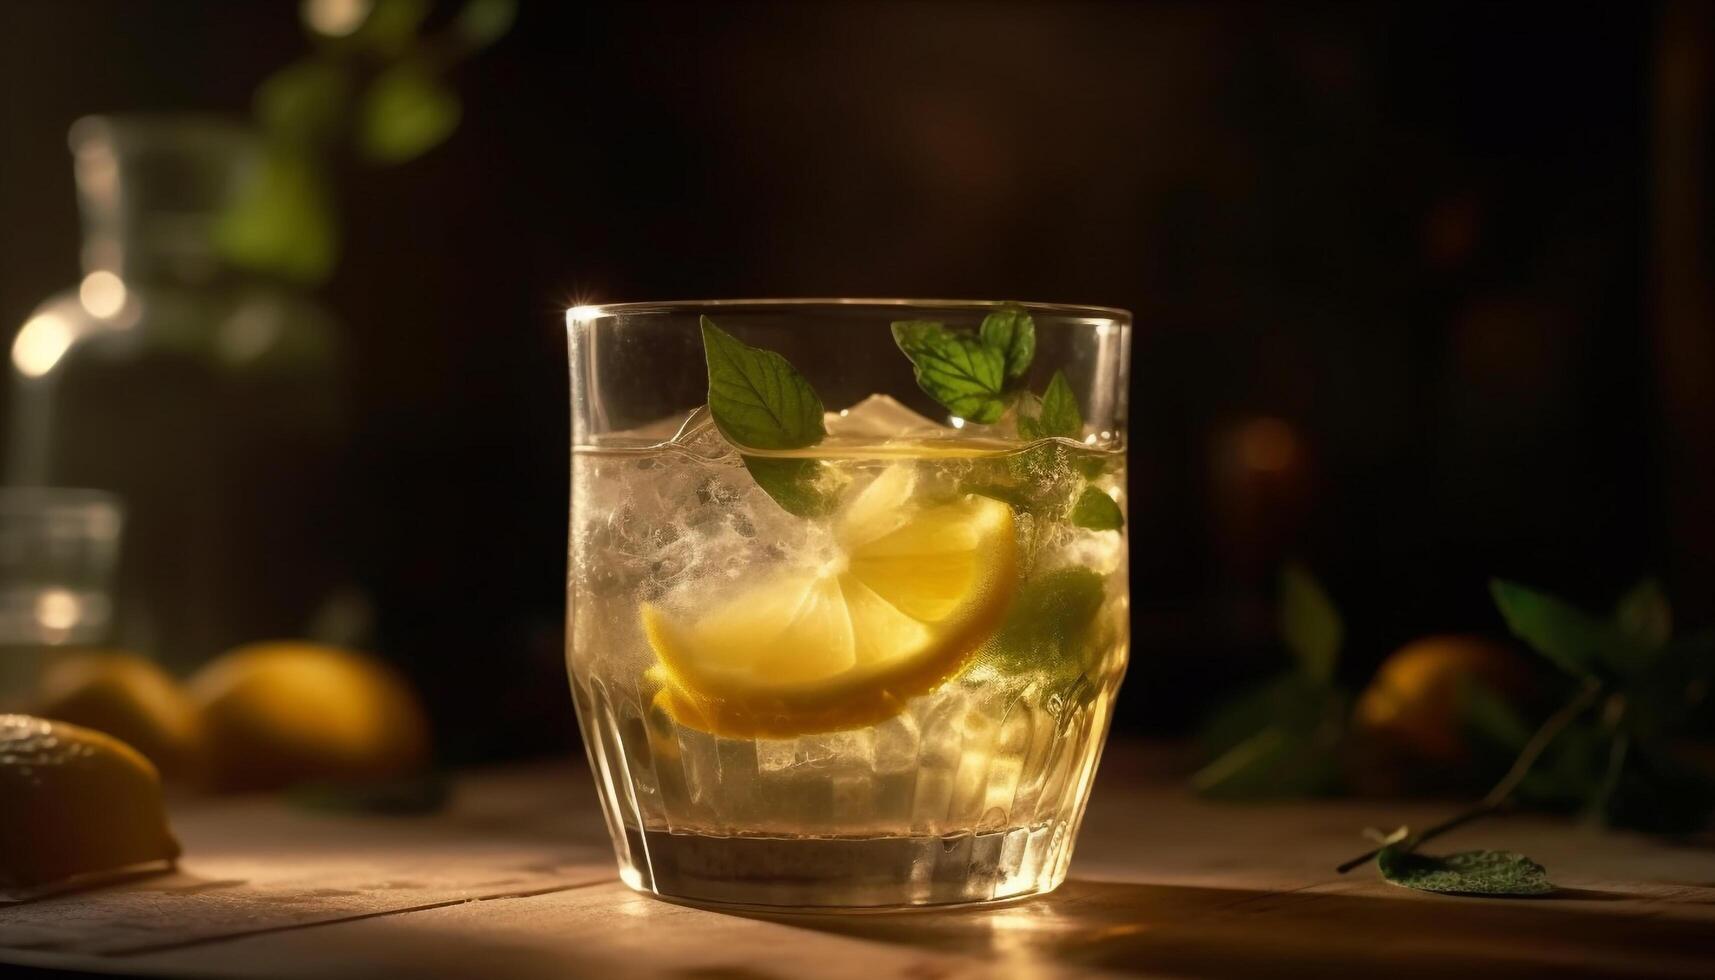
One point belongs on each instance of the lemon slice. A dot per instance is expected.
(910, 593)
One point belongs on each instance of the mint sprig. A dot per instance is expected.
(1097, 511)
(1058, 415)
(759, 401)
(964, 374)
(1011, 331)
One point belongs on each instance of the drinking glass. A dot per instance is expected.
(870, 666)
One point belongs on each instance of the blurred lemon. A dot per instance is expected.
(74, 801)
(280, 713)
(129, 698)
(1414, 702)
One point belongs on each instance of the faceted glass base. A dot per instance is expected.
(845, 874)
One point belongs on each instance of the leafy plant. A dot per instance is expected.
(1609, 750)
(1283, 739)
(374, 90)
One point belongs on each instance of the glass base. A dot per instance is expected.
(847, 873)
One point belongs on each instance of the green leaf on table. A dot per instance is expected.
(1492, 873)
(1645, 613)
(282, 221)
(1097, 511)
(406, 112)
(1011, 331)
(795, 484)
(758, 400)
(961, 372)
(1309, 624)
(482, 22)
(304, 103)
(1575, 641)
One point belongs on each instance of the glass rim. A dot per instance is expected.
(595, 311)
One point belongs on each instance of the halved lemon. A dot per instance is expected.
(910, 592)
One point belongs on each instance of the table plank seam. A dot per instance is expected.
(179, 944)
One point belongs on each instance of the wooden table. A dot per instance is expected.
(515, 879)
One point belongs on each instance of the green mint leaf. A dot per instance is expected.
(1575, 641)
(1644, 612)
(1049, 631)
(1495, 873)
(1029, 429)
(406, 112)
(1097, 511)
(795, 484)
(958, 370)
(1309, 623)
(758, 400)
(1011, 331)
(1060, 415)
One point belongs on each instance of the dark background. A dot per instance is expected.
(1457, 249)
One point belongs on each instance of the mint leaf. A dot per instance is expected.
(1060, 415)
(1309, 623)
(1097, 511)
(758, 400)
(1011, 331)
(793, 483)
(1644, 612)
(1046, 628)
(1496, 873)
(958, 370)
(1575, 641)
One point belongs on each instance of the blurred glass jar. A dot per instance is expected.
(58, 548)
(207, 399)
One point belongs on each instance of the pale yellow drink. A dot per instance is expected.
(910, 687)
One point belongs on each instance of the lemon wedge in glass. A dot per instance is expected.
(910, 592)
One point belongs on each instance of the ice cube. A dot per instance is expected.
(881, 417)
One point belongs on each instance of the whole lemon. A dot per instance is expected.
(129, 698)
(1413, 703)
(279, 713)
(75, 801)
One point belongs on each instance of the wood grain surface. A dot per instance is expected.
(515, 880)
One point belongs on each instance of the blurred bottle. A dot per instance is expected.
(208, 400)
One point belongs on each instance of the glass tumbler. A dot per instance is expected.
(847, 601)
